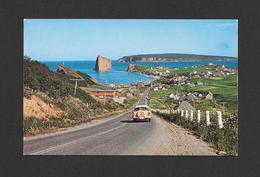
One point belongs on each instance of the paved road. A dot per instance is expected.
(118, 136)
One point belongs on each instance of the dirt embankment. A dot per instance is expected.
(36, 107)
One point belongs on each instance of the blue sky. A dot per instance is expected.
(84, 39)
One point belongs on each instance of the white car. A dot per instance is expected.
(142, 112)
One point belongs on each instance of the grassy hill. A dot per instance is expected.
(174, 57)
(38, 77)
(56, 90)
(70, 73)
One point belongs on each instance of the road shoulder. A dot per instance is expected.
(60, 131)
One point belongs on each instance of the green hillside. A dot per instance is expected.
(38, 77)
(177, 56)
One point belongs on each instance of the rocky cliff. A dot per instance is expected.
(88, 80)
(131, 67)
(103, 64)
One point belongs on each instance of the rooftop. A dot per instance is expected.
(101, 90)
(186, 106)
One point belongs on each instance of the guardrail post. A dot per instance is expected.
(191, 115)
(186, 114)
(207, 118)
(220, 123)
(182, 113)
(198, 116)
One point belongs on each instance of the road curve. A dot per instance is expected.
(121, 136)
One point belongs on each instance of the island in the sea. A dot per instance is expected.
(174, 57)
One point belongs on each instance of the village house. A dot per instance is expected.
(189, 97)
(155, 89)
(209, 72)
(101, 93)
(197, 94)
(174, 96)
(199, 83)
(209, 96)
(196, 76)
(119, 99)
(129, 94)
(185, 106)
(167, 71)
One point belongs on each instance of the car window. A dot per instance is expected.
(141, 109)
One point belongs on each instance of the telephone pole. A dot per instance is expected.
(76, 84)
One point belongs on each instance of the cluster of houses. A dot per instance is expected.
(119, 92)
(206, 74)
(217, 70)
(189, 96)
(164, 74)
(179, 79)
(224, 71)
(159, 86)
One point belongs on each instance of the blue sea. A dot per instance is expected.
(119, 73)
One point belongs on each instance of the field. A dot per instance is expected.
(157, 98)
(224, 89)
(225, 93)
(171, 71)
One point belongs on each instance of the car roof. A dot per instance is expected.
(141, 106)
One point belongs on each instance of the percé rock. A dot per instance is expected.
(103, 64)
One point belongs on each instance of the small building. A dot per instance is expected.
(119, 99)
(189, 97)
(199, 83)
(184, 105)
(155, 89)
(209, 72)
(209, 96)
(174, 96)
(129, 94)
(103, 93)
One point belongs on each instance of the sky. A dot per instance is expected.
(85, 39)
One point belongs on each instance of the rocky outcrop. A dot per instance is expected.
(77, 74)
(131, 67)
(67, 71)
(103, 64)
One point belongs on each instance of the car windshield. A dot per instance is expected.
(141, 109)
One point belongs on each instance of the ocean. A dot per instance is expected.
(119, 73)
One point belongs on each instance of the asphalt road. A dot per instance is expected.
(117, 136)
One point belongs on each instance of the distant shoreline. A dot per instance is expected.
(115, 60)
